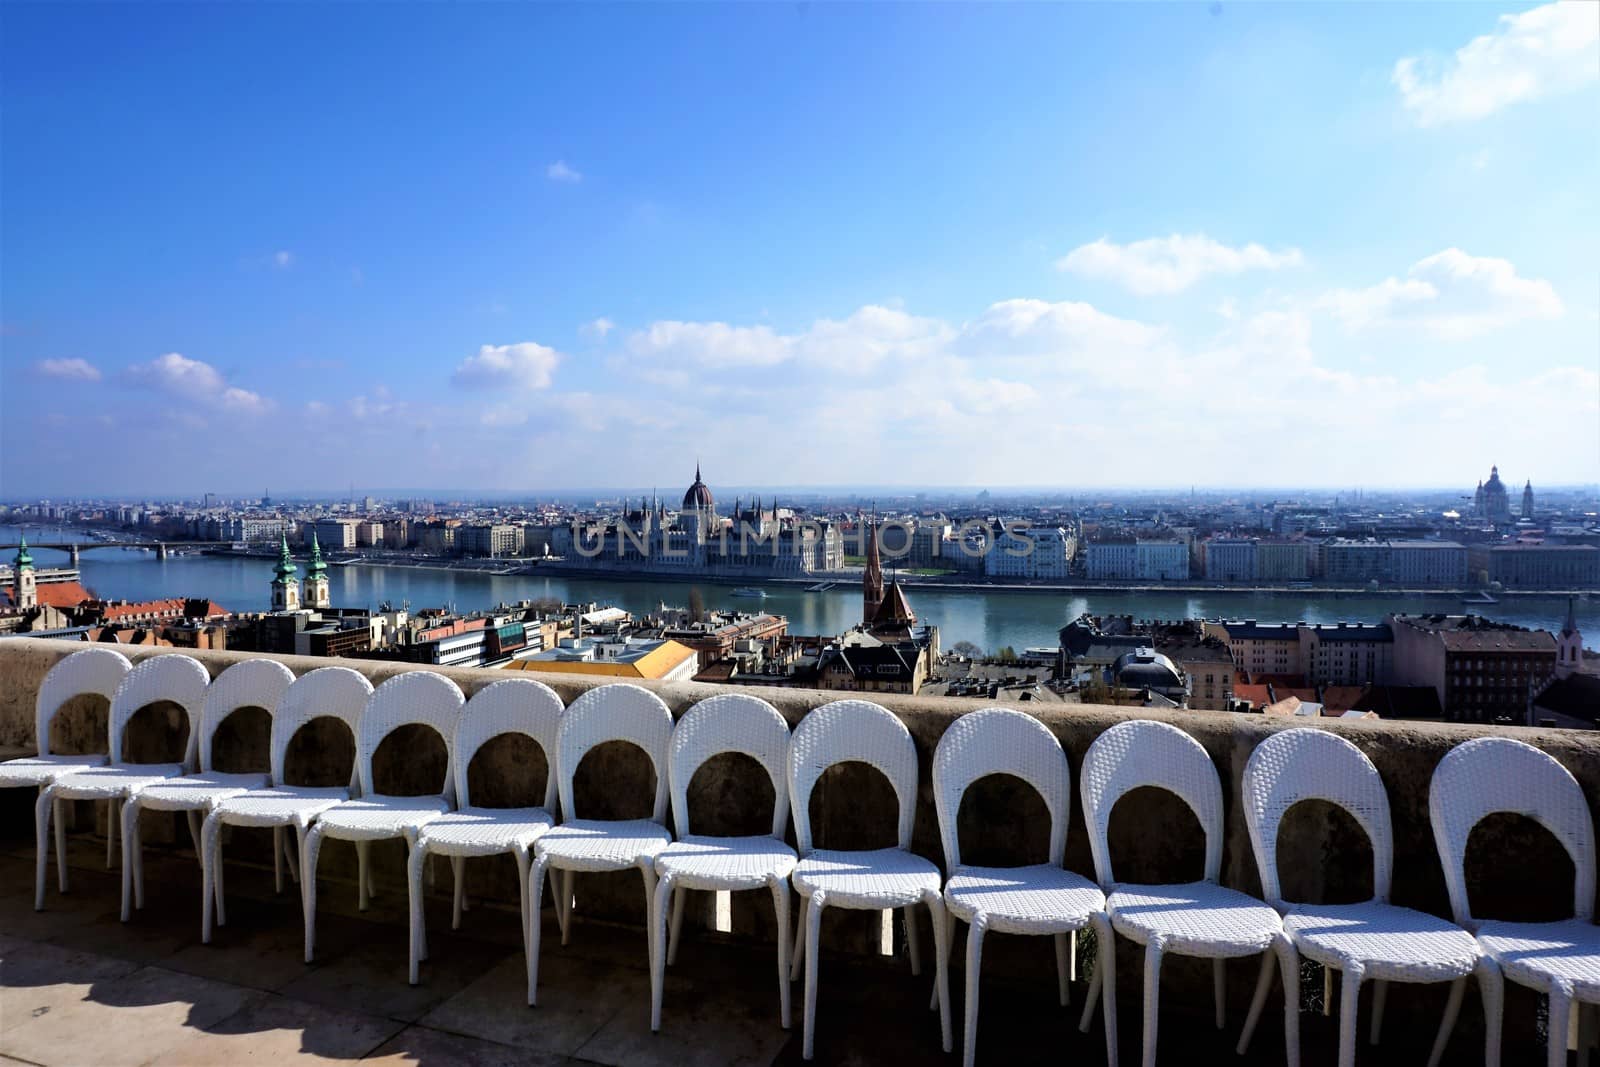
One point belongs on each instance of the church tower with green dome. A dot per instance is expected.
(24, 588)
(285, 586)
(317, 595)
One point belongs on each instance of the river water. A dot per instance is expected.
(988, 618)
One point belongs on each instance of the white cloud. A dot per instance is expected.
(1170, 264)
(1449, 294)
(597, 329)
(195, 380)
(283, 259)
(711, 344)
(525, 365)
(560, 172)
(80, 370)
(1540, 52)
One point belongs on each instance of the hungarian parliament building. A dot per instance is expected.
(753, 541)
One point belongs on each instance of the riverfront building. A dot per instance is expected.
(1522, 566)
(1404, 563)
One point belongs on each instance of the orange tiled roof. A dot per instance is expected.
(55, 594)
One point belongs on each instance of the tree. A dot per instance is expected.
(967, 649)
(1006, 655)
(697, 605)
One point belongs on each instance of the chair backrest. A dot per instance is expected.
(179, 679)
(733, 722)
(414, 698)
(1494, 774)
(617, 712)
(514, 706)
(251, 683)
(1140, 753)
(1000, 741)
(1306, 764)
(851, 731)
(332, 692)
(94, 670)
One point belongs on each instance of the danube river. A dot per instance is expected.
(989, 618)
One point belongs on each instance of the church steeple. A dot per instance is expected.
(317, 592)
(871, 578)
(1569, 643)
(285, 586)
(24, 583)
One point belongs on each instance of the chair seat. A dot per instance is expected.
(726, 862)
(1540, 955)
(1193, 919)
(603, 845)
(484, 831)
(281, 805)
(377, 817)
(42, 770)
(1042, 899)
(872, 878)
(112, 782)
(198, 792)
(1391, 943)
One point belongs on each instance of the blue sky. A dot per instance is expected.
(522, 248)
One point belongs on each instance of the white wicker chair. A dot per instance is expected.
(257, 683)
(875, 879)
(1200, 918)
(1562, 959)
(327, 692)
(175, 678)
(731, 723)
(1039, 899)
(94, 670)
(515, 706)
(414, 698)
(1373, 939)
(617, 712)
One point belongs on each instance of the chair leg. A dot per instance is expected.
(1349, 1013)
(1452, 1008)
(277, 858)
(660, 902)
(1105, 976)
(566, 902)
(1289, 966)
(416, 859)
(1560, 1025)
(113, 820)
(363, 877)
(941, 963)
(976, 928)
(1219, 990)
(647, 871)
(1152, 999)
(913, 945)
(458, 867)
(1491, 987)
(292, 860)
(1257, 1001)
(62, 813)
(43, 808)
(520, 854)
(1380, 998)
(128, 851)
(780, 907)
(814, 908)
(211, 851)
(310, 849)
(1064, 943)
(541, 864)
(675, 935)
(193, 819)
(221, 872)
(136, 835)
(797, 958)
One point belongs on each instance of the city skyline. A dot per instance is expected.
(534, 250)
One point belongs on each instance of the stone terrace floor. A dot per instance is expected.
(77, 986)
